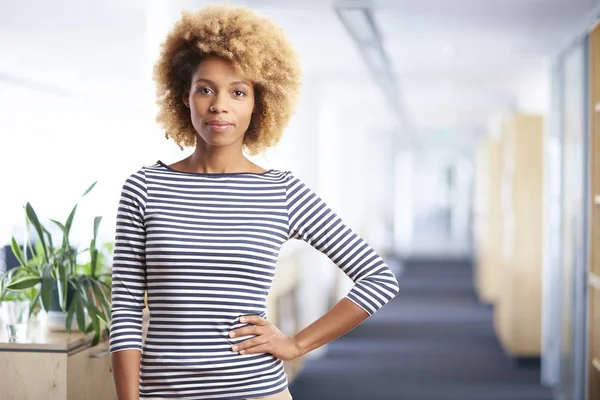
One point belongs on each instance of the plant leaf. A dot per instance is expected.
(97, 221)
(70, 314)
(90, 326)
(37, 251)
(95, 317)
(34, 302)
(49, 237)
(63, 285)
(24, 282)
(99, 306)
(27, 242)
(17, 251)
(6, 277)
(32, 216)
(46, 290)
(63, 230)
(69, 223)
(93, 261)
(59, 224)
(79, 311)
(104, 299)
(97, 325)
(89, 189)
(109, 247)
(93, 249)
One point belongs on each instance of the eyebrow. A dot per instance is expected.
(231, 84)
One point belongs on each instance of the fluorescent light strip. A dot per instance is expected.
(375, 58)
(357, 18)
(358, 23)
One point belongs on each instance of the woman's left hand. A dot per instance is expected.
(267, 339)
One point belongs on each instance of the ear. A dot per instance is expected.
(186, 99)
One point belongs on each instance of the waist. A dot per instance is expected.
(198, 374)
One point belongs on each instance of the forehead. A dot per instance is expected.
(214, 67)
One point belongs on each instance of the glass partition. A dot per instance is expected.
(574, 213)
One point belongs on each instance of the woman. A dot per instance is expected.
(202, 236)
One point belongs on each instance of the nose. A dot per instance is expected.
(219, 105)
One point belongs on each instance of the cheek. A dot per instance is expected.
(195, 110)
(194, 105)
(249, 110)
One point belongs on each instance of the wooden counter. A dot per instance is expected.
(55, 366)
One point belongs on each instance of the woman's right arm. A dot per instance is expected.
(128, 288)
(126, 372)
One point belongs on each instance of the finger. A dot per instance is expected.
(263, 348)
(252, 330)
(250, 343)
(253, 319)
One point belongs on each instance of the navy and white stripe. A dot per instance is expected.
(205, 247)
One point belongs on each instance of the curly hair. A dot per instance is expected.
(258, 50)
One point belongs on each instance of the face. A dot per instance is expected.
(220, 103)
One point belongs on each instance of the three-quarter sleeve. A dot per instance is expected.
(128, 270)
(311, 220)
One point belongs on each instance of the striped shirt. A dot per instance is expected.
(205, 247)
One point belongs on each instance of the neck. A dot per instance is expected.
(217, 160)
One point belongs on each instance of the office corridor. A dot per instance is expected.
(433, 342)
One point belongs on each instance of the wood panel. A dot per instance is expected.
(528, 235)
(594, 348)
(29, 375)
(489, 219)
(517, 316)
(480, 207)
(37, 374)
(89, 375)
(594, 267)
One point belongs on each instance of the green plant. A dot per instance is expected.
(46, 268)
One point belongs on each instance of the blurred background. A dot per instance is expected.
(460, 138)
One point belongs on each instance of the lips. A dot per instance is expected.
(218, 123)
(219, 126)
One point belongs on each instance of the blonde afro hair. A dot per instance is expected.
(258, 51)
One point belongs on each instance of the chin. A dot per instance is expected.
(220, 142)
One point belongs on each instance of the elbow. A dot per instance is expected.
(389, 287)
(395, 286)
(388, 284)
(375, 291)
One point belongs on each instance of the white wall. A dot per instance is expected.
(52, 148)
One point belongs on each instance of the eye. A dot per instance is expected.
(204, 90)
(239, 93)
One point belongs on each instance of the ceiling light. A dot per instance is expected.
(375, 58)
(359, 23)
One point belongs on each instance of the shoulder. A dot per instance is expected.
(294, 184)
(142, 171)
(138, 177)
(282, 176)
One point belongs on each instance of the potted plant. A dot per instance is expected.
(51, 279)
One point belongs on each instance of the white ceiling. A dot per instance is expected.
(457, 62)
(467, 58)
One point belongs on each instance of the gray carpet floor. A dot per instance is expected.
(433, 342)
